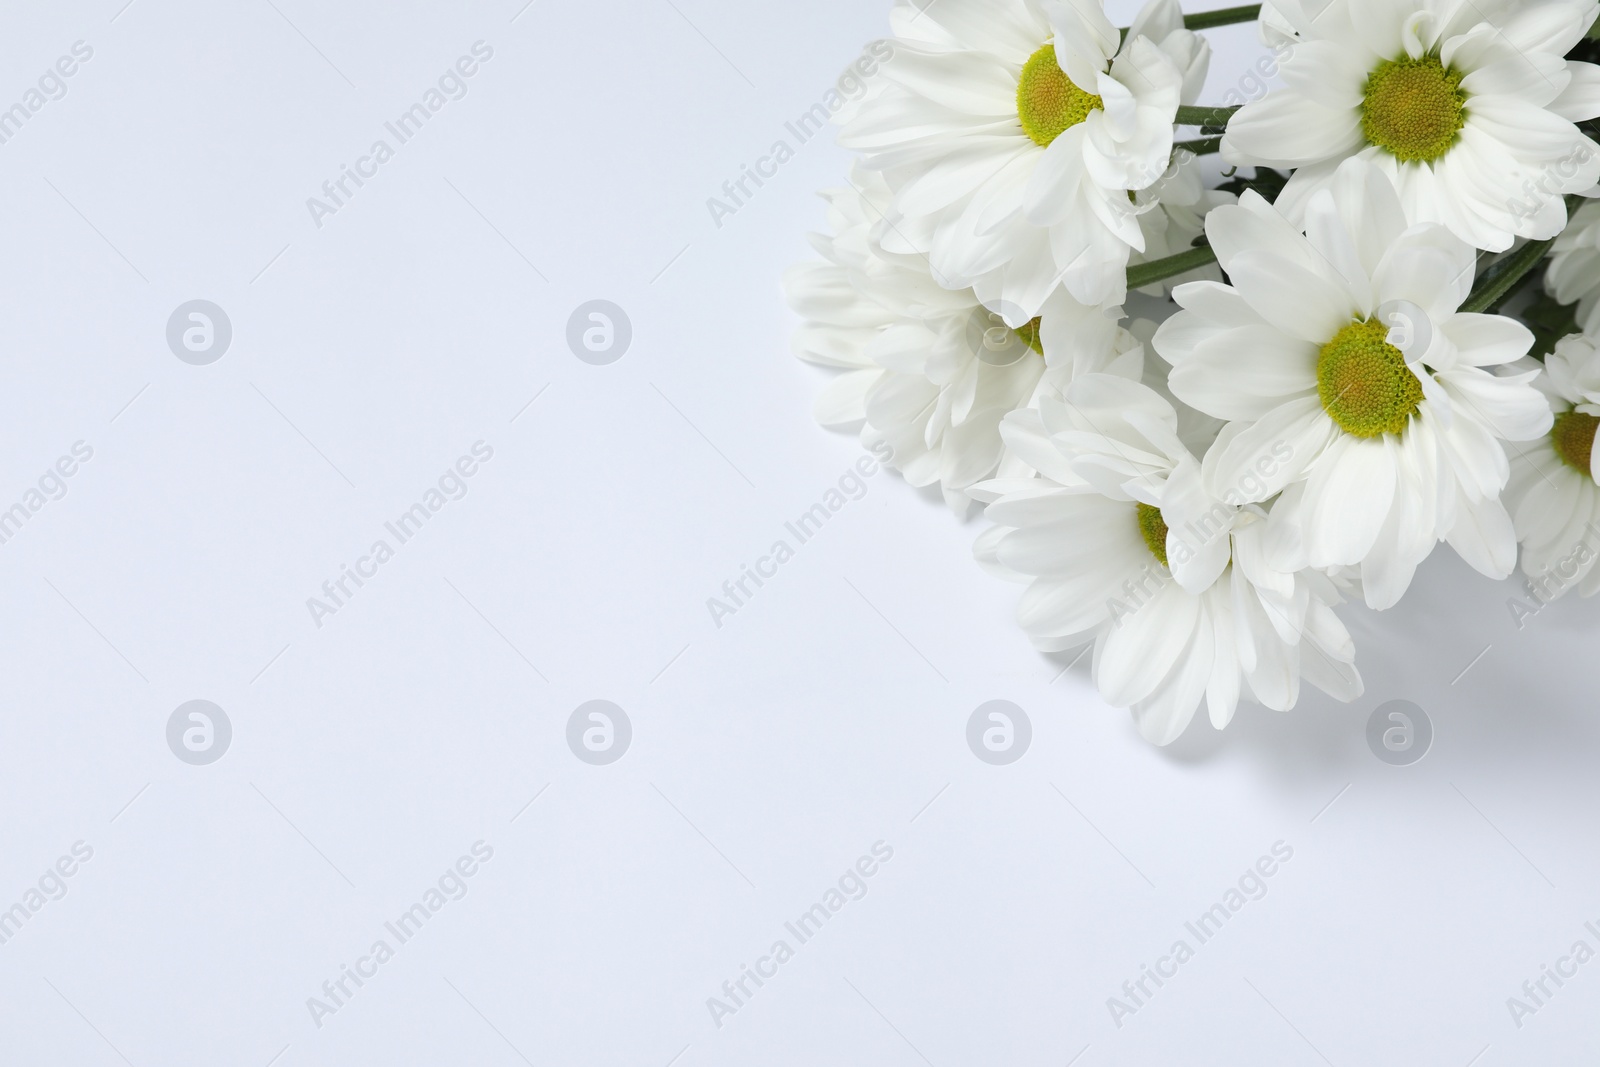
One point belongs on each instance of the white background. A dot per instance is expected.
(371, 752)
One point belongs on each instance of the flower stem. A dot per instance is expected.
(1495, 282)
(1204, 116)
(1227, 16)
(1143, 274)
(1203, 146)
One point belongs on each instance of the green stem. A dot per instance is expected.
(1203, 146)
(1513, 289)
(1227, 16)
(1497, 281)
(1143, 274)
(1204, 116)
(1503, 274)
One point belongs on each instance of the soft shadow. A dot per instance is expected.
(1499, 697)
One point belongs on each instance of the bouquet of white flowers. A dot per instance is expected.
(1381, 330)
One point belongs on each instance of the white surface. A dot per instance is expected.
(768, 754)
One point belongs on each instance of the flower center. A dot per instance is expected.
(1364, 383)
(1153, 528)
(1413, 108)
(1047, 101)
(1573, 437)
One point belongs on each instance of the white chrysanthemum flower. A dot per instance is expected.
(1100, 345)
(1184, 595)
(1012, 132)
(1554, 491)
(1574, 272)
(929, 370)
(1104, 347)
(1467, 105)
(1387, 451)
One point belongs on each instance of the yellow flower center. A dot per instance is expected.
(1047, 101)
(1364, 383)
(1413, 108)
(1153, 528)
(1573, 437)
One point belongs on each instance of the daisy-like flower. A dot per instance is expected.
(1013, 131)
(1344, 348)
(1554, 492)
(929, 371)
(1184, 596)
(1574, 272)
(1103, 347)
(1467, 105)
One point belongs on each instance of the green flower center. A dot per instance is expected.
(1153, 528)
(1028, 334)
(1413, 108)
(1364, 383)
(1573, 436)
(1047, 101)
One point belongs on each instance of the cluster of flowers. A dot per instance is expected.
(1387, 337)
